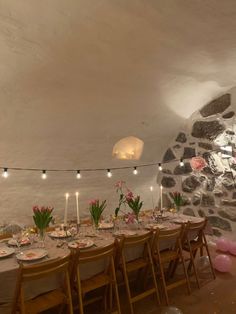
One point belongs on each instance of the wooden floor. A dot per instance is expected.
(215, 297)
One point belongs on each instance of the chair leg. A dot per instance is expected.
(193, 255)
(80, 298)
(153, 275)
(185, 269)
(163, 279)
(115, 286)
(127, 285)
(211, 264)
(69, 299)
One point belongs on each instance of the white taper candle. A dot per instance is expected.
(77, 207)
(66, 209)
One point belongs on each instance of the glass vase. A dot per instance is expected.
(42, 234)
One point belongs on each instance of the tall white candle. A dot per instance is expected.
(77, 207)
(161, 188)
(66, 209)
(151, 189)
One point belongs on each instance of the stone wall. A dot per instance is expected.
(212, 191)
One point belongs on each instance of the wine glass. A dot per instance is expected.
(18, 237)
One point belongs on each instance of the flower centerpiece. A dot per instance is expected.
(177, 199)
(42, 217)
(127, 198)
(134, 203)
(96, 209)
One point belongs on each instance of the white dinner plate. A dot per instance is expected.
(6, 251)
(60, 234)
(155, 226)
(81, 244)
(32, 255)
(125, 233)
(23, 241)
(106, 225)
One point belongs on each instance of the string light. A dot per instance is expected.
(78, 174)
(5, 173)
(44, 175)
(109, 174)
(135, 171)
(151, 188)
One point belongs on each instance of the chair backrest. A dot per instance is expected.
(168, 239)
(139, 243)
(194, 230)
(86, 256)
(136, 240)
(33, 272)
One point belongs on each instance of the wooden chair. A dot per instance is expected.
(5, 236)
(167, 250)
(142, 263)
(106, 278)
(48, 300)
(194, 240)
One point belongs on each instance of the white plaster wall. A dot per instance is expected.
(76, 76)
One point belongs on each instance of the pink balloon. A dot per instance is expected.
(222, 245)
(232, 247)
(223, 263)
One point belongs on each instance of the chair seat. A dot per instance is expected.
(136, 264)
(45, 301)
(95, 282)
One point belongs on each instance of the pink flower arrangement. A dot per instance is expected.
(42, 216)
(130, 218)
(198, 163)
(127, 198)
(96, 209)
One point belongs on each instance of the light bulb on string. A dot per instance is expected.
(181, 163)
(78, 174)
(44, 175)
(135, 171)
(109, 174)
(160, 166)
(5, 173)
(151, 188)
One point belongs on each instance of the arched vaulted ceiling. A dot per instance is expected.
(77, 75)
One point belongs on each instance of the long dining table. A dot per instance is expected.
(60, 247)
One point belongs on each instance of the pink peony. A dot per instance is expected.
(130, 218)
(198, 163)
(129, 196)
